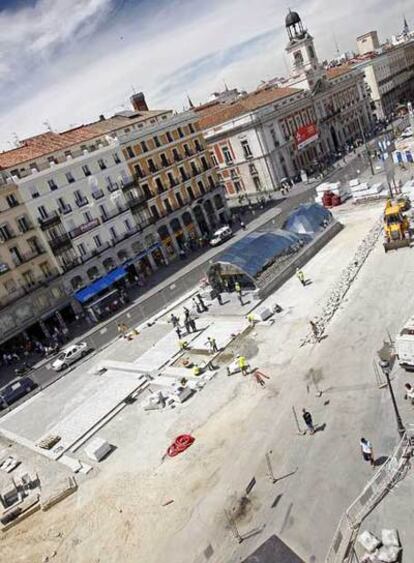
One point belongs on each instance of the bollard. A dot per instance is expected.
(300, 431)
(270, 469)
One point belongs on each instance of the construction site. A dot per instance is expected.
(190, 446)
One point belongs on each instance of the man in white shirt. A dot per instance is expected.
(367, 452)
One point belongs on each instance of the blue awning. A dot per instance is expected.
(99, 285)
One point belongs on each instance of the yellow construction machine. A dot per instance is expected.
(397, 231)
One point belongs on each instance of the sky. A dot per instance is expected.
(65, 62)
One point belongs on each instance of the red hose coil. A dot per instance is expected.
(180, 444)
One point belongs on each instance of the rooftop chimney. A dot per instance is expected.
(138, 102)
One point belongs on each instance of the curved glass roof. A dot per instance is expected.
(255, 250)
(307, 219)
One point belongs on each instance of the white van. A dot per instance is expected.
(220, 236)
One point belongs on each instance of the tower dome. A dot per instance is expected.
(292, 18)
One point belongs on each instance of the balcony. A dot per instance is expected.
(174, 182)
(97, 194)
(28, 288)
(177, 158)
(24, 257)
(84, 228)
(53, 218)
(82, 202)
(65, 209)
(195, 171)
(110, 215)
(112, 187)
(137, 202)
(9, 235)
(153, 169)
(166, 163)
(60, 243)
(188, 152)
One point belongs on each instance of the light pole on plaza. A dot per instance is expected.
(385, 366)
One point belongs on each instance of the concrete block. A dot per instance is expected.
(263, 314)
(98, 449)
(9, 495)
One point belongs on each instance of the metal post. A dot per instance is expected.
(301, 432)
(233, 527)
(386, 370)
(270, 469)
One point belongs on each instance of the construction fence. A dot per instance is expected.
(393, 470)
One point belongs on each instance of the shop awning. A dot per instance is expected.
(100, 285)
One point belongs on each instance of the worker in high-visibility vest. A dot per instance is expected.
(251, 319)
(243, 365)
(183, 344)
(301, 276)
(196, 370)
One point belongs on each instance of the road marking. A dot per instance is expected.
(103, 330)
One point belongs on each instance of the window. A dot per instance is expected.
(237, 186)
(151, 165)
(82, 249)
(183, 173)
(52, 185)
(28, 278)
(52, 160)
(204, 163)
(187, 150)
(160, 186)
(117, 160)
(246, 149)
(15, 172)
(68, 154)
(164, 160)
(97, 241)
(69, 177)
(101, 164)
(198, 146)
(227, 155)
(113, 232)
(169, 137)
(34, 192)
(11, 200)
(104, 213)
(190, 192)
(157, 141)
(252, 169)
(179, 199)
(146, 190)
(180, 132)
(87, 217)
(42, 212)
(23, 224)
(34, 166)
(144, 146)
(138, 171)
(274, 138)
(201, 187)
(16, 256)
(130, 152)
(127, 225)
(45, 268)
(257, 183)
(214, 159)
(171, 179)
(191, 128)
(86, 170)
(154, 212)
(167, 206)
(5, 233)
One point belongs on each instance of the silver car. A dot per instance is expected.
(70, 355)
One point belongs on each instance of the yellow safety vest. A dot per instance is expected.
(196, 370)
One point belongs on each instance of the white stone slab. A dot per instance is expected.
(97, 449)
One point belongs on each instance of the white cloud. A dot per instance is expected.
(163, 49)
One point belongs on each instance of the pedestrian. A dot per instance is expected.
(201, 301)
(251, 319)
(258, 375)
(219, 298)
(212, 345)
(301, 276)
(183, 344)
(174, 320)
(238, 290)
(367, 451)
(122, 329)
(409, 392)
(187, 325)
(197, 305)
(315, 331)
(178, 331)
(196, 370)
(307, 417)
(243, 365)
(242, 225)
(192, 324)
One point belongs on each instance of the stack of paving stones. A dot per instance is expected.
(348, 275)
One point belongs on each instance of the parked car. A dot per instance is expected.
(220, 236)
(15, 391)
(70, 355)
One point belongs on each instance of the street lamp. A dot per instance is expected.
(385, 366)
(366, 146)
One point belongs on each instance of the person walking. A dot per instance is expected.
(192, 324)
(219, 298)
(197, 305)
(178, 331)
(409, 392)
(301, 276)
(238, 290)
(259, 377)
(243, 365)
(203, 306)
(212, 345)
(367, 451)
(315, 331)
(174, 320)
(307, 417)
(251, 319)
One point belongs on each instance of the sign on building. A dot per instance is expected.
(306, 135)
